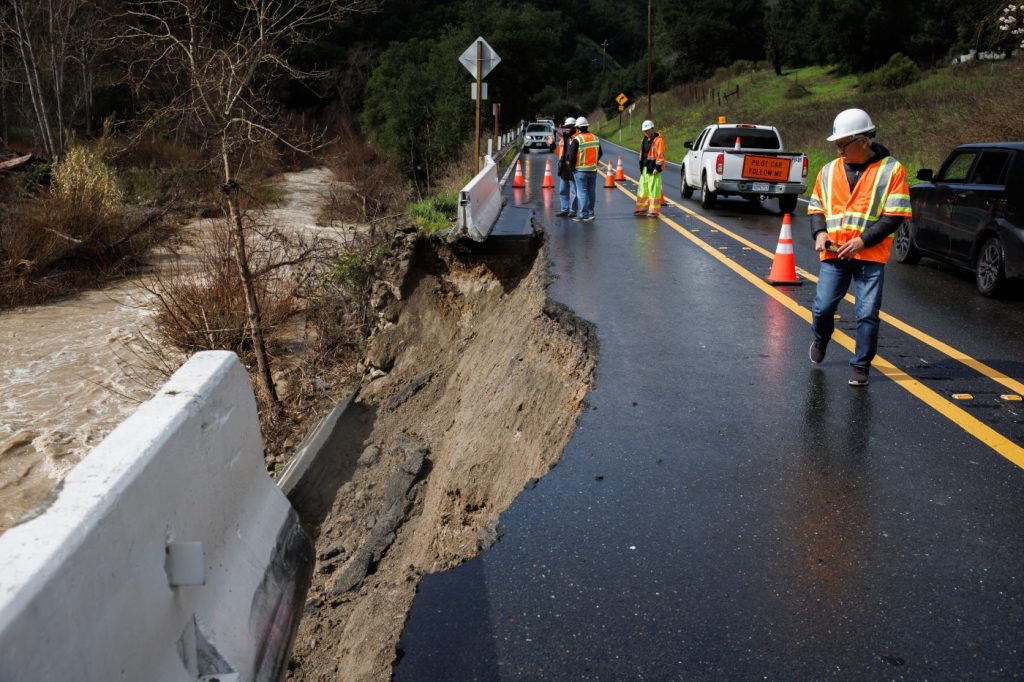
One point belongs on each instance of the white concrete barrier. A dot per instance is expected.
(166, 554)
(479, 204)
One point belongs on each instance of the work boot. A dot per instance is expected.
(817, 352)
(561, 214)
(858, 376)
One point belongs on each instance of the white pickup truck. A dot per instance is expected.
(743, 160)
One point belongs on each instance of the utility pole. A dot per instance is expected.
(648, 58)
(604, 46)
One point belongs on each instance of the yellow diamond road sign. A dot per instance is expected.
(622, 99)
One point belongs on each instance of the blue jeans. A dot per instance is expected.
(586, 184)
(833, 283)
(567, 195)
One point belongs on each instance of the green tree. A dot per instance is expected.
(706, 34)
(417, 104)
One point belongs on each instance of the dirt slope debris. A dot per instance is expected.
(471, 391)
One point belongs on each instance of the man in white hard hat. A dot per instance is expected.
(584, 153)
(566, 177)
(652, 163)
(859, 201)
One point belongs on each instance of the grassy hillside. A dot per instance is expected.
(920, 123)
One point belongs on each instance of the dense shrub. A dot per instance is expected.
(900, 71)
(201, 306)
(52, 245)
(82, 178)
(796, 91)
(737, 68)
(371, 187)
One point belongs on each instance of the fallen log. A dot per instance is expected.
(16, 163)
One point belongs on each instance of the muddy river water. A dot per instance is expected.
(63, 387)
(68, 374)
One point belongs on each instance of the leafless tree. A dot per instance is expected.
(5, 80)
(47, 37)
(217, 65)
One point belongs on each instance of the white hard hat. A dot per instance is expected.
(570, 121)
(582, 121)
(647, 125)
(851, 122)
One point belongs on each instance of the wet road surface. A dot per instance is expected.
(727, 510)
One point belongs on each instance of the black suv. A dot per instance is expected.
(970, 214)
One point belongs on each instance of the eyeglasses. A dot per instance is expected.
(841, 146)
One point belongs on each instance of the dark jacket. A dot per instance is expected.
(565, 166)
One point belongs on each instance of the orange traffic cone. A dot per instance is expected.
(737, 145)
(619, 173)
(609, 177)
(549, 181)
(518, 181)
(784, 265)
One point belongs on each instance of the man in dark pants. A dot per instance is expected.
(566, 178)
(584, 152)
(859, 201)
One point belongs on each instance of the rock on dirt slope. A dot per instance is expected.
(471, 392)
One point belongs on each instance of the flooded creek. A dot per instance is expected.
(64, 387)
(68, 375)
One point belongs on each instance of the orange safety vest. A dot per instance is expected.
(656, 152)
(881, 190)
(586, 156)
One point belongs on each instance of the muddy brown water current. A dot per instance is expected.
(68, 375)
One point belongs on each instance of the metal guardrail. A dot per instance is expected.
(479, 204)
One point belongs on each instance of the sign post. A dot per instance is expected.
(621, 100)
(479, 59)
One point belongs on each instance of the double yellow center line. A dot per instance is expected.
(984, 433)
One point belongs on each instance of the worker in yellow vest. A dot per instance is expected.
(860, 199)
(652, 163)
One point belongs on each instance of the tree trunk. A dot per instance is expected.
(23, 39)
(252, 305)
(4, 126)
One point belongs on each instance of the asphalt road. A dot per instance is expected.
(726, 510)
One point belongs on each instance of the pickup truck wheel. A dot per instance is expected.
(991, 268)
(903, 249)
(787, 203)
(685, 189)
(707, 197)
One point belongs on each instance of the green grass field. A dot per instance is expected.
(920, 123)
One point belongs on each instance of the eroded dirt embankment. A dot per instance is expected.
(478, 385)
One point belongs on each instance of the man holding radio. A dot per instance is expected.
(859, 201)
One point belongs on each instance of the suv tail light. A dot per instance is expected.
(805, 167)
(720, 164)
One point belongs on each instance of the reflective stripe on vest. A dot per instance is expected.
(586, 157)
(874, 195)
